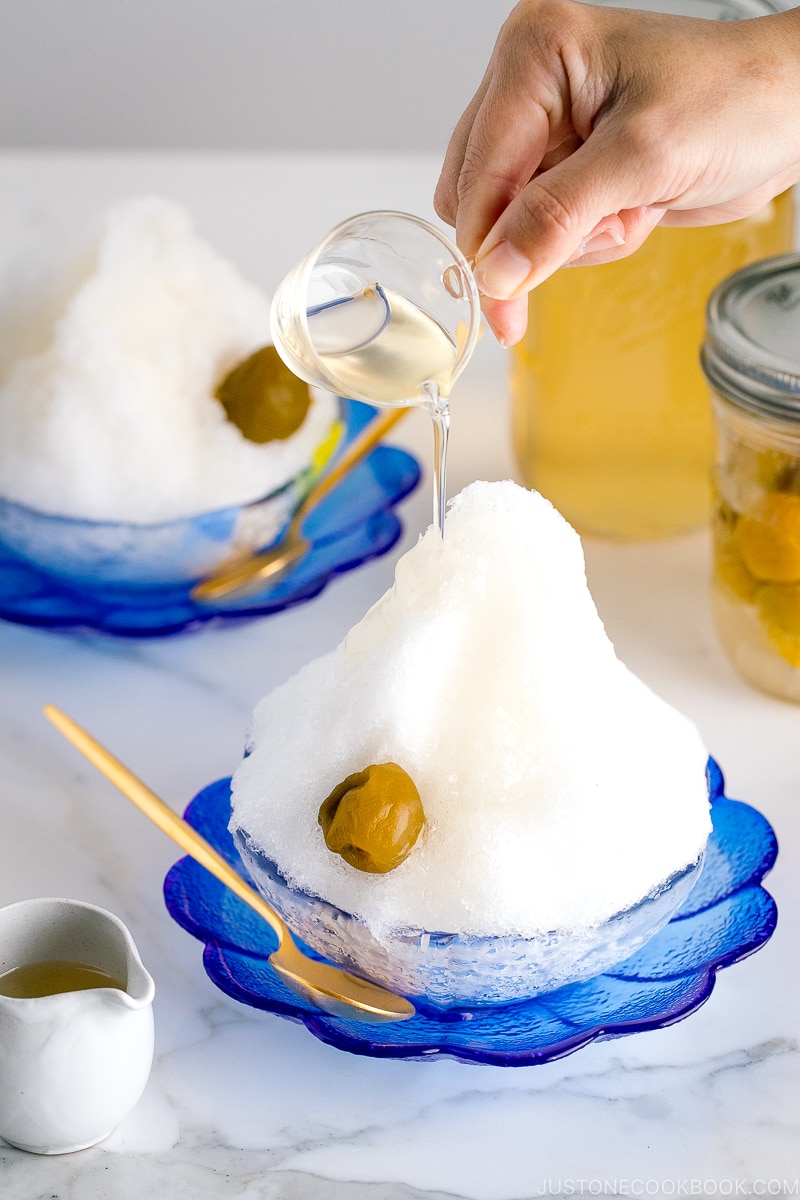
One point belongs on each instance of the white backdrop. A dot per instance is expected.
(361, 75)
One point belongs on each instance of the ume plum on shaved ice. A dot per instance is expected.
(558, 790)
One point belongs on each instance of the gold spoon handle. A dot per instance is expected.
(163, 816)
(361, 445)
(273, 561)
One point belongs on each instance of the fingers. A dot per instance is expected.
(504, 149)
(617, 236)
(512, 122)
(507, 319)
(552, 219)
(613, 238)
(607, 235)
(445, 197)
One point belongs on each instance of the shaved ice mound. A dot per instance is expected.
(563, 799)
(108, 366)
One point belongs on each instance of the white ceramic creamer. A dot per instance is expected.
(74, 1063)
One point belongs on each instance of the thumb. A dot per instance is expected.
(549, 221)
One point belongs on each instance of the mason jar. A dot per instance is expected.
(751, 358)
(611, 419)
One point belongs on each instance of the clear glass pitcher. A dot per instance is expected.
(382, 306)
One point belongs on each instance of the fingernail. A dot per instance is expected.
(502, 271)
(605, 239)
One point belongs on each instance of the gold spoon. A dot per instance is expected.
(328, 987)
(241, 576)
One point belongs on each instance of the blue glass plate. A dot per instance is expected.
(727, 916)
(352, 525)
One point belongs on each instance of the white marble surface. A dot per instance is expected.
(246, 1105)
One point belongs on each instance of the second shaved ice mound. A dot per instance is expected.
(558, 789)
(109, 358)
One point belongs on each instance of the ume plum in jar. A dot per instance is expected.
(751, 357)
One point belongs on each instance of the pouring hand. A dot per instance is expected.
(592, 125)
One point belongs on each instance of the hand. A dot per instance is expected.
(592, 125)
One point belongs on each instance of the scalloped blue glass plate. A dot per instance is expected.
(352, 525)
(727, 916)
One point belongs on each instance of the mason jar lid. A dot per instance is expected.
(751, 354)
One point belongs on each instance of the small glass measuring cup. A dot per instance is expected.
(385, 310)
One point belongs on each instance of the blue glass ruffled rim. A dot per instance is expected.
(727, 917)
(351, 526)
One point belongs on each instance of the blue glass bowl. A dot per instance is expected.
(440, 970)
(726, 916)
(136, 580)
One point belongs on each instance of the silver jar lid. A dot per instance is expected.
(751, 354)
